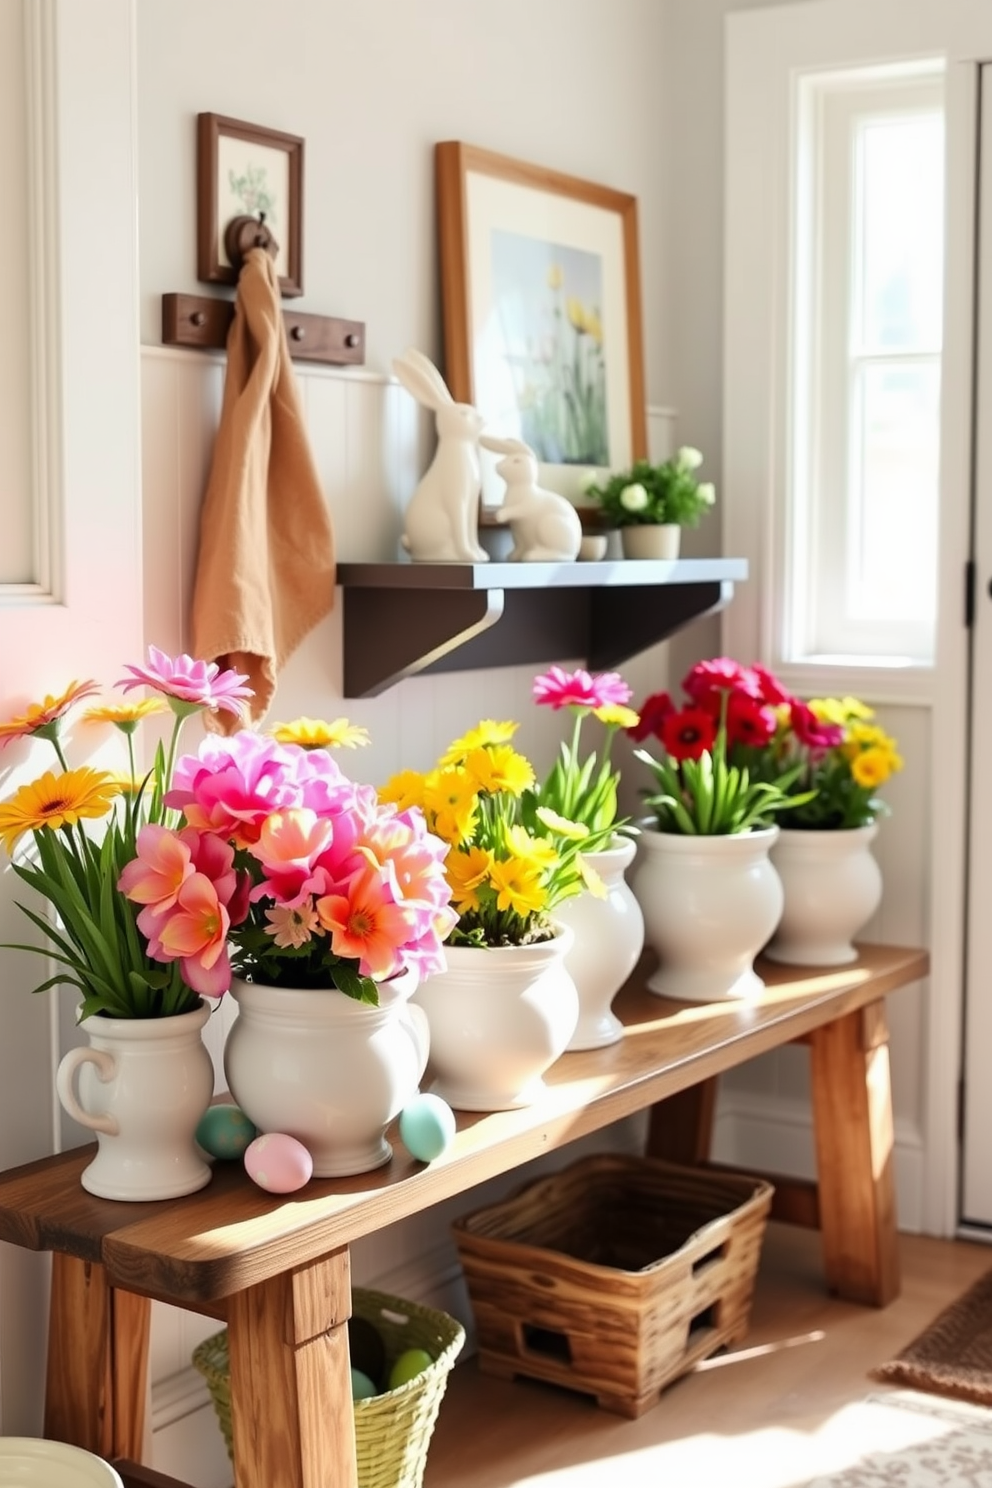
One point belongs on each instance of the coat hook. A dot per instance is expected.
(245, 232)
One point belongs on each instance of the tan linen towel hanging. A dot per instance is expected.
(265, 569)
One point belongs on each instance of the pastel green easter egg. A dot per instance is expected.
(362, 1388)
(427, 1126)
(408, 1366)
(224, 1131)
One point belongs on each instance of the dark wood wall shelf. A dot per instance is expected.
(403, 619)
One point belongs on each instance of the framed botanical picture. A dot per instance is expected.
(244, 170)
(542, 310)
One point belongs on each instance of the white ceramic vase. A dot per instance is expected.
(710, 904)
(832, 886)
(143, 1085)
(328, 1070)
(646, 540)
(499, 1018)
(609, 937)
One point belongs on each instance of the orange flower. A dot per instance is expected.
(42, 715)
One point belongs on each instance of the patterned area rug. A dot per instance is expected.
(919, 1442)
(953, 1356)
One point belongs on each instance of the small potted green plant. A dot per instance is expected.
(650, 504)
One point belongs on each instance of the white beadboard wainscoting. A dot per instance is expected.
(371, 442)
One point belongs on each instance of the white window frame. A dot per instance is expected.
(819, 547)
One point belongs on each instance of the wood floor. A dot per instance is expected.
(774, 1413)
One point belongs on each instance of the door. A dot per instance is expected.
(976, 1170)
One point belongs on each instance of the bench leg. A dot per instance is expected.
(97, 1379)
(680, 1129)
(852, 1115)
(291, 1410)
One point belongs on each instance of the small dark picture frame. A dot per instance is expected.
(242, 170)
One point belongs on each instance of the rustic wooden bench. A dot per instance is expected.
(277, 1269)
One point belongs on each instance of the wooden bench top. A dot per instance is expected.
(231, 1235)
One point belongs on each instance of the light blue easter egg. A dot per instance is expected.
(427, 1126)
(361, 1386)
(225, 1131)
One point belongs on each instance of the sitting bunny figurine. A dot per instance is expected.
(545, 527)
(442, 519)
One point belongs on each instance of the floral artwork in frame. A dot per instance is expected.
(542, 311)
(246, 170)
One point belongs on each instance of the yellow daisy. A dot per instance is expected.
(486, 732)
(55, 801)
(466, 872)
(617, 715)
(499, 768)
(450, 799)
(872, 767)
(125, 715)
(314, 733)
(403, 790)
(574, 831)
(535, 850)
(518, 887)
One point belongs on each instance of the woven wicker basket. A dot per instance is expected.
(392, 1430)
(614, 1276)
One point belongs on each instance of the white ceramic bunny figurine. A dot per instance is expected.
(545, 527)
(442, 519)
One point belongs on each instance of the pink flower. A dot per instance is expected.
(812, 731)
(556, 688)
(200, 683)
(366, 923)
(160, 868)
(195, 932)
(289, 847)
(772, 690)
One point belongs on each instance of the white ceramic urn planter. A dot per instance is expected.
(832, 886)
(143, 1085)
(609, 937)
(709, 904)
(328, 1070)
(499, 1018)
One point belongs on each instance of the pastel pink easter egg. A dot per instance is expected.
(278, 1163)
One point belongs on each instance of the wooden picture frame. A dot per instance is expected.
(541, 299)
(242, 169)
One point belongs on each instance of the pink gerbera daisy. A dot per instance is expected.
(200, 684)
(556, 688)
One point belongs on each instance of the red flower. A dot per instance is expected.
(688, 733)
(812, 731)
(707, 681)
(749, 722)
(653, 712)
(771, 688)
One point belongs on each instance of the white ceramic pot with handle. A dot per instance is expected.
(142, 1085)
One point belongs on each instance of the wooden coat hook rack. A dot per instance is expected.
(201, 322)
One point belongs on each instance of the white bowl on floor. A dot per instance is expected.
(32, 1462)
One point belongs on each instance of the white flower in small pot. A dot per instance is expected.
(650, 504)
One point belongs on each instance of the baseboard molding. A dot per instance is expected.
(776, 1135)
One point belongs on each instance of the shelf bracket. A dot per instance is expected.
(384, 643)
(624, 621)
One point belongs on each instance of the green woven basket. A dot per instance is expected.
(392, 1430)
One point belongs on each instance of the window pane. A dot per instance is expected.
(893, 532)
(901, 232)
